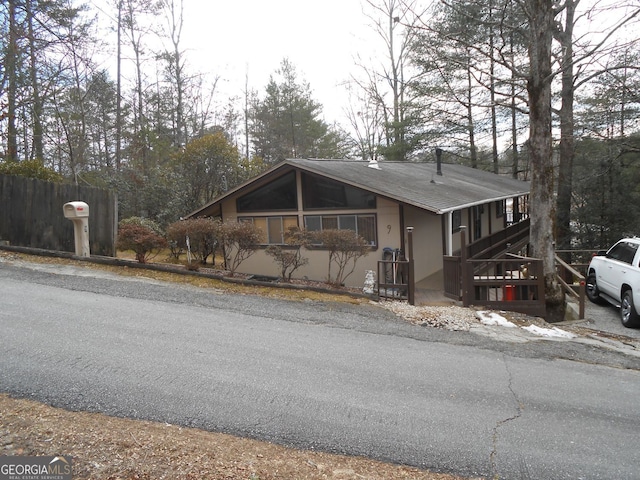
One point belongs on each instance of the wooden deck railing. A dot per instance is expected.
(452, 272)
(578, 259)
(573, 283)
(497, 244)
(515, 283)
(393, 279)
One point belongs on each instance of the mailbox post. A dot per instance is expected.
(78, 213)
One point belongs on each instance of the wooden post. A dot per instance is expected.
(411, 293)
(582, 293)
(463, 267)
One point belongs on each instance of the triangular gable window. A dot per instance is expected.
(324, 193)
(277, 195)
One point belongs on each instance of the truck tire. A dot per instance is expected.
(628, 314)
(592, 290)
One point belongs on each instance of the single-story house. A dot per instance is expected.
(377, 200)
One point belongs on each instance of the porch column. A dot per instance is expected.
(411, 291)
(449, 234)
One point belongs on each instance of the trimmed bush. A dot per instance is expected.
(239, 241)
(202, 234)
(135, 235)
(289, 258)
(345, 247)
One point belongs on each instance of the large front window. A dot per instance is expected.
(363, 225)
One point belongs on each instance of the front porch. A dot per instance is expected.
(494, 272)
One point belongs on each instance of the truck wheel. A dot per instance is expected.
(628, 314)
(592, 289)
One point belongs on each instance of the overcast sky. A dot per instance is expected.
(235, 38)
(320, 37)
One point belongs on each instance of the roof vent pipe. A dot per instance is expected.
(439, 161)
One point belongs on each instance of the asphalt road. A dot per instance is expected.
(336, 377)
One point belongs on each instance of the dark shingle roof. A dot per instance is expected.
(416, 184)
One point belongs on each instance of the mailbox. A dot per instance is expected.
(76, 210)
(78, 213)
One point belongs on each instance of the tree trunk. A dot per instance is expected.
(11, 69)
(492, 88)
(38, 131)
(119, 90)
(565, 175)
(541, 21)
(515, 167)
(473, 151)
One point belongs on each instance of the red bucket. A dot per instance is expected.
(509, 293)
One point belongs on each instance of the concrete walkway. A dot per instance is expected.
(429, 291)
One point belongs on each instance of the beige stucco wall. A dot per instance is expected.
(427, 241)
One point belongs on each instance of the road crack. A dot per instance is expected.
(503, 422)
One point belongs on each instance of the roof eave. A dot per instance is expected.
(482, 202)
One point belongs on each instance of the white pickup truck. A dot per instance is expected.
(614, 276)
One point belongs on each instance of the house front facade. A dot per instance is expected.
(376, 200)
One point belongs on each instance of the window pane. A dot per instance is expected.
(288, 222)
(329, 223)
(277, 195)
(616, 252)
(261, 223)
(275, 230)
(313, 223)
(320, 192)
(367, 228)
(347, 222)
(456, 220)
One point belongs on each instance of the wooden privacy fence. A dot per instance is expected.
(31, 214)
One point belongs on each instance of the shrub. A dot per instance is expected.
(345, 247)
(202, 234)
(239, 240)
(134, 235)
(143, 222)
(30, 169)
(290, 258)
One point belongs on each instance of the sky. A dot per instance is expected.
(325, 40)
(248, 39)
(251, 37)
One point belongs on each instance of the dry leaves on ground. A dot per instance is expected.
(113, 448)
